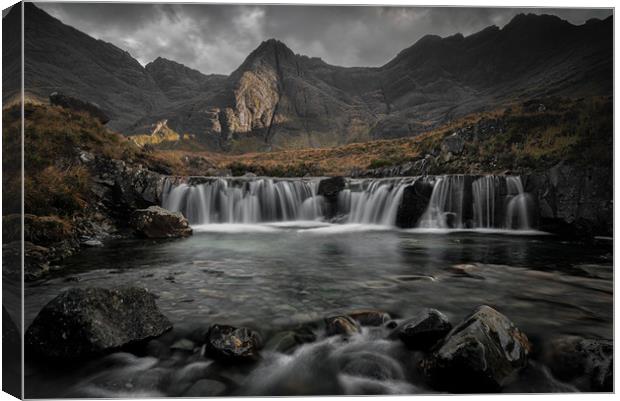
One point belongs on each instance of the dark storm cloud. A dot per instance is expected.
(216, 38)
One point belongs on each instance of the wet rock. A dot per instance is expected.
(413, 203)
(370, 317)
(424, 330)
(573, 201)
(157, 222)
(481, 354)
(36, 261)
(330, 187)
(205, 388)
(586, 363)
(230, 343)
(341, 325)
(85, 322)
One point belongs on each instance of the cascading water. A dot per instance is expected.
(245, 201)
(372, 201)
(445, 208)
(457, 201)
(478, 202)
(519, 205)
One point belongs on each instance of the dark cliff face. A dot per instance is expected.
(61, 58)
(278, 99)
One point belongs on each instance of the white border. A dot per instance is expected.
(471, 3)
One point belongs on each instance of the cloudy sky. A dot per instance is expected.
(217, 38)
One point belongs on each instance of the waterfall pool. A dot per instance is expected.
(269, 276)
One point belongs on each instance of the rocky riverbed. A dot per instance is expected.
(110, 350)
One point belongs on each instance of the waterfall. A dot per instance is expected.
(518, 209)
(456, 201)
(445, 208)
(373, 202)
(245, 201)
(478, 202)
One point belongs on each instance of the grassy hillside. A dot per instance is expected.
(529, 136)
(56, 181)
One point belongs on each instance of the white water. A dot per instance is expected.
(267, 204)
(373, 202)
(249, 201)
(495, 202)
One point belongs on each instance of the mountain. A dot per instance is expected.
(277, 99)
(58, 57)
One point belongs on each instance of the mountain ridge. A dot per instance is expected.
(277, 99)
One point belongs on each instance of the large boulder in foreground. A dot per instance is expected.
(481, 354)
(586, 363)
(86, 322)
(157, 222)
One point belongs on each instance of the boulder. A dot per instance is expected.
(481, 354)
(81, 323)
(330, 187)
(36, 261)
(73, 103)
(231, 344)
(370, 317)
(413, 203)
(157, 222)
(424, 330)
(586, 363)
(341, 325)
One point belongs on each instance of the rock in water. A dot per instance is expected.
(157, 222)
(344, 325)
(85, 322)
(481, 354)
(423, 331)
(586, 363)
(413, 203)
(330, 187)
(231, 344)
(370, 317)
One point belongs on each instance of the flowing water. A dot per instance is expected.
(272, 262)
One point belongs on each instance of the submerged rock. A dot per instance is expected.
(157, 222)
(341, 325)
(370, 317)
(230, 343)
(586, 363)
(481, 354)
(424, 330)
(85, 322)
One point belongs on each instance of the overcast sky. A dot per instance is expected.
(217, 38)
